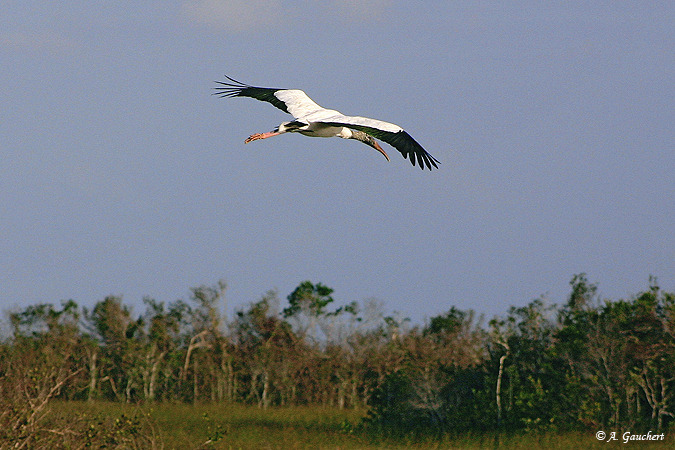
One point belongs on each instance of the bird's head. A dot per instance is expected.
(368, 139)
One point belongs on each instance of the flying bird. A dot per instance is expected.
(311, 119)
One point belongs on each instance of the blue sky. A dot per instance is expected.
(121, 174)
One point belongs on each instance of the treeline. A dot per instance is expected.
(589, 363)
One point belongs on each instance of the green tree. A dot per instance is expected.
(205, 340)
(270, 353)
(112, 327)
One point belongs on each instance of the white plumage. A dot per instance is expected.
(313, 120)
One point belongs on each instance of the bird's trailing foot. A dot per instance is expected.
(253, 137)
(256, 136)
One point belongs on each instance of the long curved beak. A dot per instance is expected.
(377, 147)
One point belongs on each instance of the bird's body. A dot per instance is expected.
(315, 121)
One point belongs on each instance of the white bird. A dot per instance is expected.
(313, 120)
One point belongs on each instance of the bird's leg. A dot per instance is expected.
(256, 136)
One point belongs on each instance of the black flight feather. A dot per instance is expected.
(239, 89)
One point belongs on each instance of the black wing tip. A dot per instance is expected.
(419, 155)
(430, 160)
(424, 160)
(232, 88)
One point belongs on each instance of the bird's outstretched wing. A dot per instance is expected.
(291, 101)
(300, 106)
(392, 134)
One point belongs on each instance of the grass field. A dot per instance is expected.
(178, 426)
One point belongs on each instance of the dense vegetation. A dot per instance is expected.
(589, 364)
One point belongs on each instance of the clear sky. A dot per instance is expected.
(121, 173)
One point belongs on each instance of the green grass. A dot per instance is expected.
(182, 426)
(240, 426)
(179, 426)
